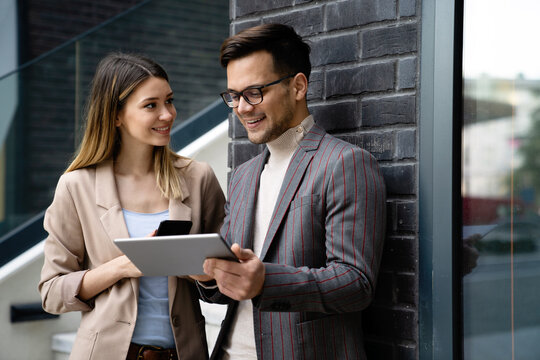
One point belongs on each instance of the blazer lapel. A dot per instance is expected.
(177, 209)
(293, 178)
(113, 219)
(250, 192)
(107, 198)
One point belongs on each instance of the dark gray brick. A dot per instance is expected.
(244, 7)
(378, 350)
(406, 144)
(390, 110)
(230, 160)
(242, 152)
(400, 179)
(406, 288)
(400, 254)
(389, 41)
(406, 217)
(236, 129)
(338, 116)
(380, 145)
(407, 73)
(391, 322)
(361, 79)
(239, 26)
(407, 8)
(406, 352)
(345, 14)
(316, 85)
(305, 22)
(334, 50)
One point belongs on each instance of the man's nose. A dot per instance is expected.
(243, 106)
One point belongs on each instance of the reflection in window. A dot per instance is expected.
(501, 180)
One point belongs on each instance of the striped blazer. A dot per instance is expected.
(321, 253)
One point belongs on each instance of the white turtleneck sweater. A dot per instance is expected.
(241, 342)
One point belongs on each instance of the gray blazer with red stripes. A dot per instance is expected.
(322, 250)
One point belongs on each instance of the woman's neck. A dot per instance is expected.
(134, 162)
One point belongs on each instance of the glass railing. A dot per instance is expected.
(43, 102)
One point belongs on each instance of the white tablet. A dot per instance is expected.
(174, 255)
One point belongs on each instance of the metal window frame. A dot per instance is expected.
(440, 334)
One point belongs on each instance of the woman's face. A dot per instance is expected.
(148, 115)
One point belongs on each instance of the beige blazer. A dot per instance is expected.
(82, 221)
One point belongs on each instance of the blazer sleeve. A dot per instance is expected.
(64, 251)
(354, 229)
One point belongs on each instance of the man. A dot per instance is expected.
(306, 218)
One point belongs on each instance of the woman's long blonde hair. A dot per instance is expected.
(117, 75)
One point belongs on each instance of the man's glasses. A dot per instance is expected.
(253, 94)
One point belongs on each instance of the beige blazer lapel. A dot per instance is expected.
(107, 198)
(178, 210)
(113, 218)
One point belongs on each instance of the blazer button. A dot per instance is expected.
(175, 321)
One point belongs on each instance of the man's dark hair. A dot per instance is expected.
(289, 52)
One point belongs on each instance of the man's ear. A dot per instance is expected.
(300, 84)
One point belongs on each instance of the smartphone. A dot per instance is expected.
(174, 227)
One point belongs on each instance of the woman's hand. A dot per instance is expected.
(106, 275)
(126, 268)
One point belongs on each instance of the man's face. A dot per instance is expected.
(266, 121)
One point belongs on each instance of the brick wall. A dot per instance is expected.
(364, 89)
(48, 24)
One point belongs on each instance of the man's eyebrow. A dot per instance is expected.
(246, 88)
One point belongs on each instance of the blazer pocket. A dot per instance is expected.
(337, 336)
(313, 343)
(83, 347)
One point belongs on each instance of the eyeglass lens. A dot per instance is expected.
(252, 96)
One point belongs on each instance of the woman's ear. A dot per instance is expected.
(300, 84)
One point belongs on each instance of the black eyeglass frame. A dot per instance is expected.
(241, 93)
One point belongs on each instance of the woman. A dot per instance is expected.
(123, 181)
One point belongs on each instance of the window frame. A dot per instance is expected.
(440, 310)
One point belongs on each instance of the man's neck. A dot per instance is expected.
(286, 143)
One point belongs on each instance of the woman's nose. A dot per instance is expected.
(167, 114)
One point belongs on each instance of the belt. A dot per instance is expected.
(149, 352)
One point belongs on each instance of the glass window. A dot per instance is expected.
(500, 186)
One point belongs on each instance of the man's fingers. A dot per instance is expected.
(242, 254)
(237, 280)
(231, 285)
